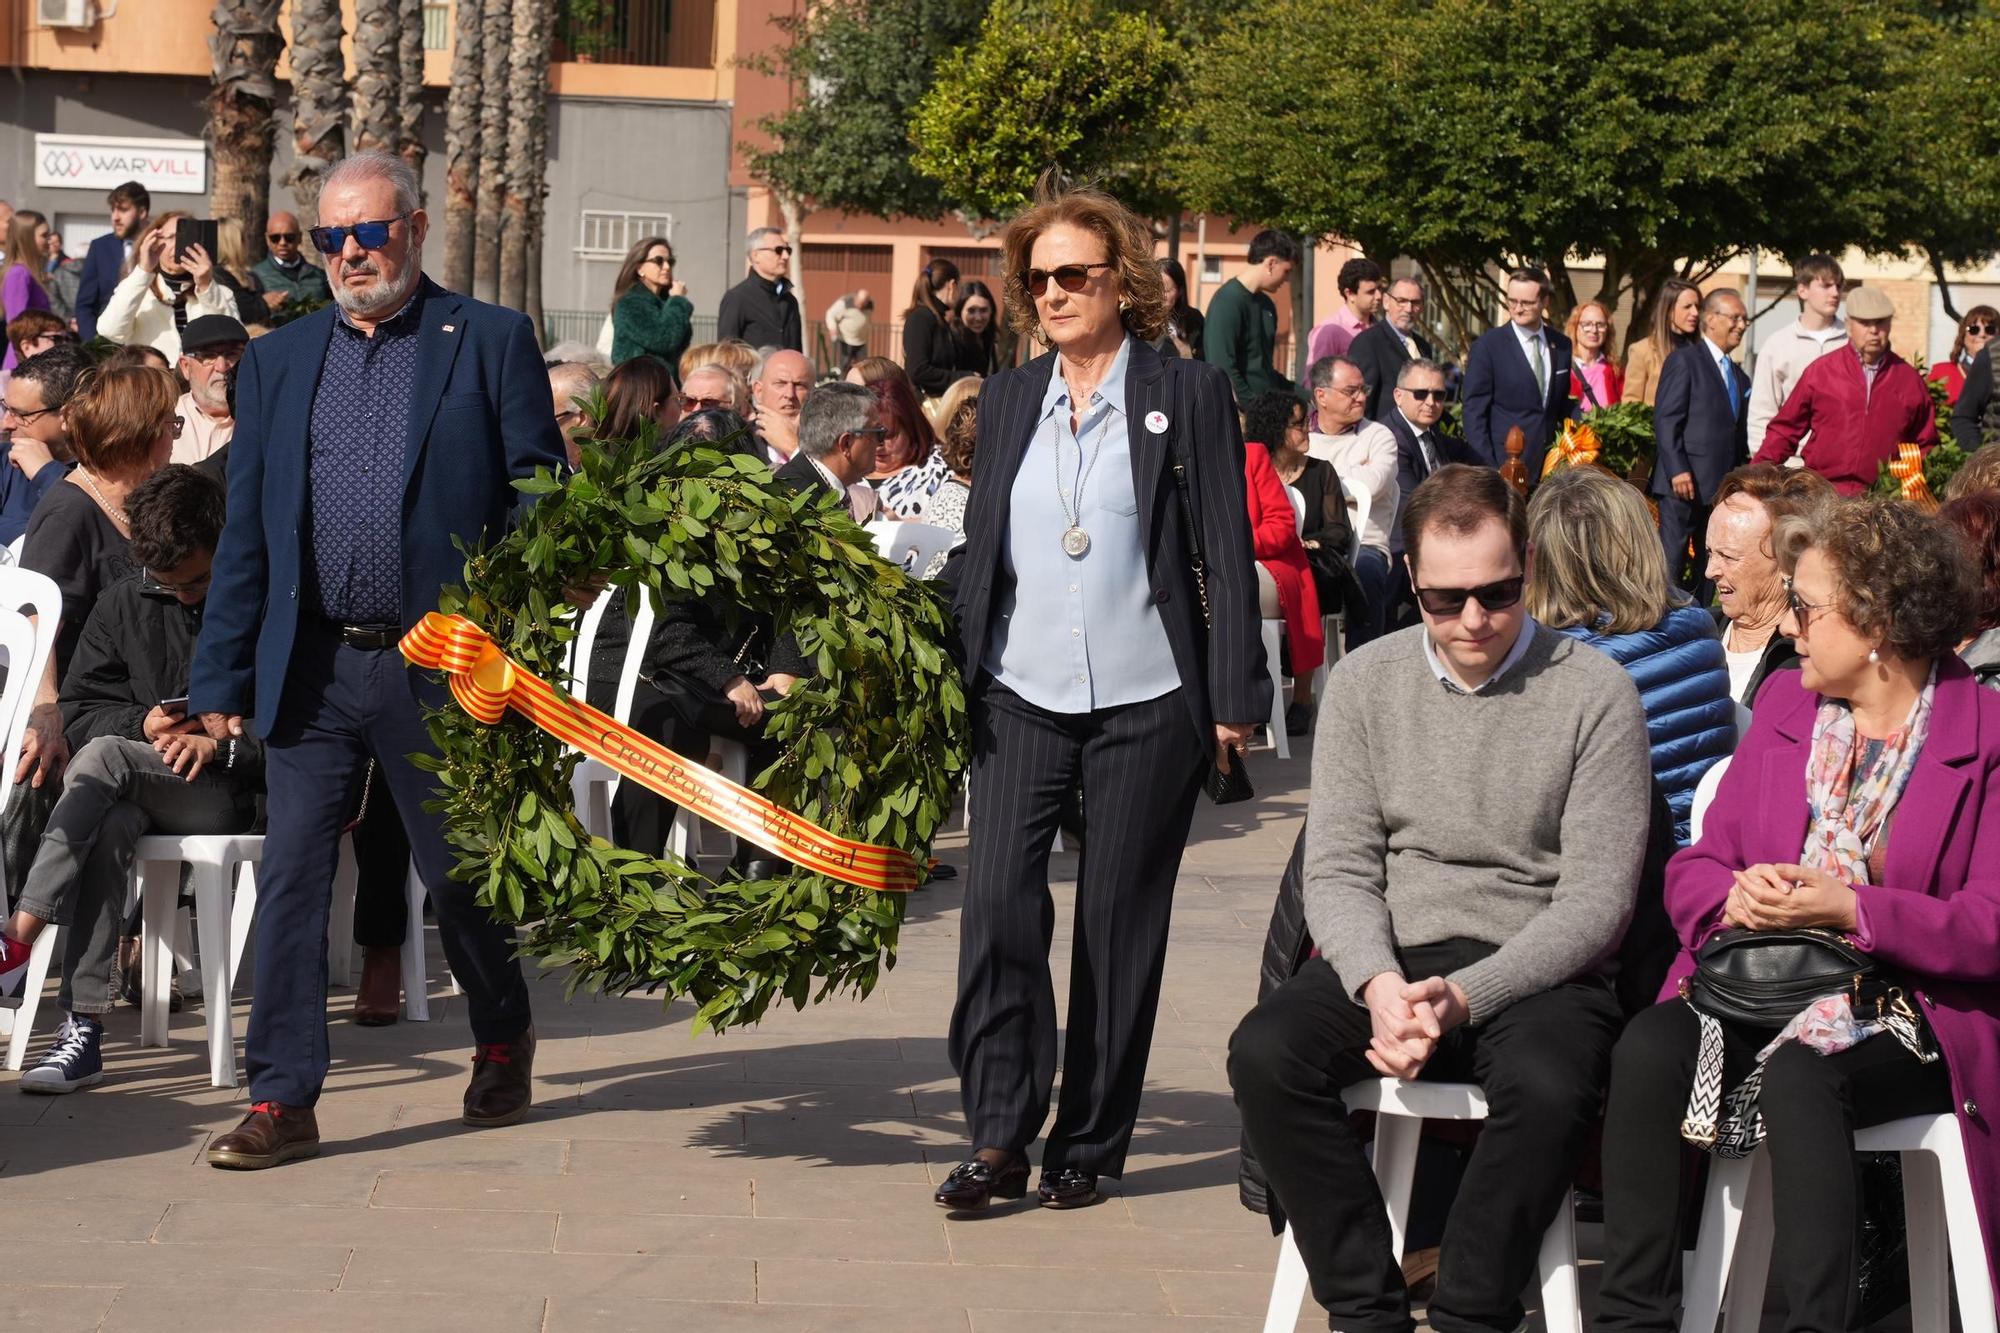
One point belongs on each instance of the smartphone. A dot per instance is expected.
(174, 705)
(204, 232)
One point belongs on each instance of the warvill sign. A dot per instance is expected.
(102, 162)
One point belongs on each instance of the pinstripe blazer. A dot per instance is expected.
(1222, 670)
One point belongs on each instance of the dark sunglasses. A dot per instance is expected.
(1426, 395)
(371, 235)
(1446, 602)
(1985, 329)
(282, 237)
(1070, 277)
(1801, 609)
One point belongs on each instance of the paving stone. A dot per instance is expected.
(680, 1277)
(223, 1224)
(222, 1310)
(705, 1194)
(54, 1309)
(608, 1316)
(914, 1237)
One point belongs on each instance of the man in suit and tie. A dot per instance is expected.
(840, 430)
(104, 263)
(1422, 447)
(1389, 344)
(1517, 375)
(1701, 431)
(370, 437)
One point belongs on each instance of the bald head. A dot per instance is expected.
(281, 234)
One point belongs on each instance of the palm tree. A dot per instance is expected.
(495, 40)
(245, 49)
(410, 99)
(378, 76)
(528, 100)
(319, 100)
(461, 147)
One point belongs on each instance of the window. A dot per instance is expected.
(1211, 269)
(437, 24)
(605, 234)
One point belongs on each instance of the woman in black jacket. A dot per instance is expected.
(930, 351)
(974, 322)
(1184, 322)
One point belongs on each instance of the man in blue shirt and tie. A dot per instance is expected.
(1700, 427)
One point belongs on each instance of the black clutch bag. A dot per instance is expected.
(1231, 787)
(1763, 978)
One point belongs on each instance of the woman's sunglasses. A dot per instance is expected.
(371, 235)
(1446, 602)
(1070, 277)
(1983, 330)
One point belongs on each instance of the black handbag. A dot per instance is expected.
(1233, 786)
(1763, 978)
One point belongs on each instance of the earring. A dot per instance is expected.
(1873, 657)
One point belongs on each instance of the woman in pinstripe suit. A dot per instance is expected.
(1092, 662)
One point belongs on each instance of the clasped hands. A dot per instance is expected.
(1782, 897)
(1409, 1019)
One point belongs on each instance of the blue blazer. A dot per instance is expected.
(103, 265)
(1694, 429)
(480, 417)
(1500, 394)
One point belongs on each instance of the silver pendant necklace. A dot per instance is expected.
(1076, 541)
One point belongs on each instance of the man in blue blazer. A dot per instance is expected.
(1701, 431)
(368, 439)
(104, 262)
(1517, 375)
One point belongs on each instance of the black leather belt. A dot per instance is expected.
(373, 638)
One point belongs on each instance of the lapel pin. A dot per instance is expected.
(1156, 422)
(451, 328)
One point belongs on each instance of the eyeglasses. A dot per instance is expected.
(1524, 303)
(208, 356)
(664, 261)
(9, 410)
(371, 235)
(785, 250)
(882, 431)
(1425, 395)
(691, 404)
(1592, 326)
(1406, 302)
(1349, 391)
(1984, 330)
(282, 237)
(1801, 609)
(178, 424)
(1070, 277)
(1731, 321)
(154, 583)
(1447, 602)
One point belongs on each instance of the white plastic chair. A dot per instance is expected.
(1333, 625)
(1400, 1109)
(732, 760)
(595, 782)
(1704, 796)
(1298, 506)
(1733, 1252)
(27, 647)
(340, 934)
(1274, 635)
(223, 913)
(911, 546)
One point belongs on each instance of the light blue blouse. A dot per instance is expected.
(1088, 634)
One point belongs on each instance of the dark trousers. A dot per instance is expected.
(1371, 571)
(1681, 522)
(382, 865)
(1140, 767)
(685, 719)
(1812, 1105)
(1542, 1061)
(341, 707)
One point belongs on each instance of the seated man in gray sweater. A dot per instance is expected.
(1478, 816)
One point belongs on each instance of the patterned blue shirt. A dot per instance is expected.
(1088, 635)
(354, 493)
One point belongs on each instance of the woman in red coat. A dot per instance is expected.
(1977, 329)
(1284, 579)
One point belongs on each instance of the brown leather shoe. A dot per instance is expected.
(975, 1183)
(270, 1134)
(502, 1075)
(381, 987)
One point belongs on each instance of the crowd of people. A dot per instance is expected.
(1507, 873)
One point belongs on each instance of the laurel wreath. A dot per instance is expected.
(870, 746)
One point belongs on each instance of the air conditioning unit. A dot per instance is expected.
(65, 13)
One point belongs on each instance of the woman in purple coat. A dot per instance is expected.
(1865, 799)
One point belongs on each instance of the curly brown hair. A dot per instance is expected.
(1903, 577)
(1980, 472)
(1977, 517)
(1128, 245)
(960, 433)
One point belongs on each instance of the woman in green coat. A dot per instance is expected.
(650, 311)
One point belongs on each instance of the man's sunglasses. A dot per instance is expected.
(1070, 277)
(371, 235)
(1426, 395)
(282, 237)
(1447, 602)
(785, 250)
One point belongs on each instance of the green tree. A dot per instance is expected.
(1949, 159)
(1068, 83)
(1660, 139)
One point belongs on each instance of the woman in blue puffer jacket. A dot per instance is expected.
(1599, 575)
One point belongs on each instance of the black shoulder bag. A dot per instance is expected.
(1233, 786)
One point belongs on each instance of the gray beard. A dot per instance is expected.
(382, 301)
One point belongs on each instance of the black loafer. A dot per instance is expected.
(1298, 719)
(972, 1185)
(1067, 1187)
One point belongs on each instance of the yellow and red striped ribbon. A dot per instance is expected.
(1907, 467)
(486, 683)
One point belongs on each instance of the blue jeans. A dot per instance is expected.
(341, 706)
(1371, 571)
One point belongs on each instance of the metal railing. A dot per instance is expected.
(637, 32)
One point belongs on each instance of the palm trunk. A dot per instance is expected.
(241, 127)
(461, 148)
(528, 103)
(410, 97)
(378, 76)
(495, 40)
(538, 197)
(319, 100)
